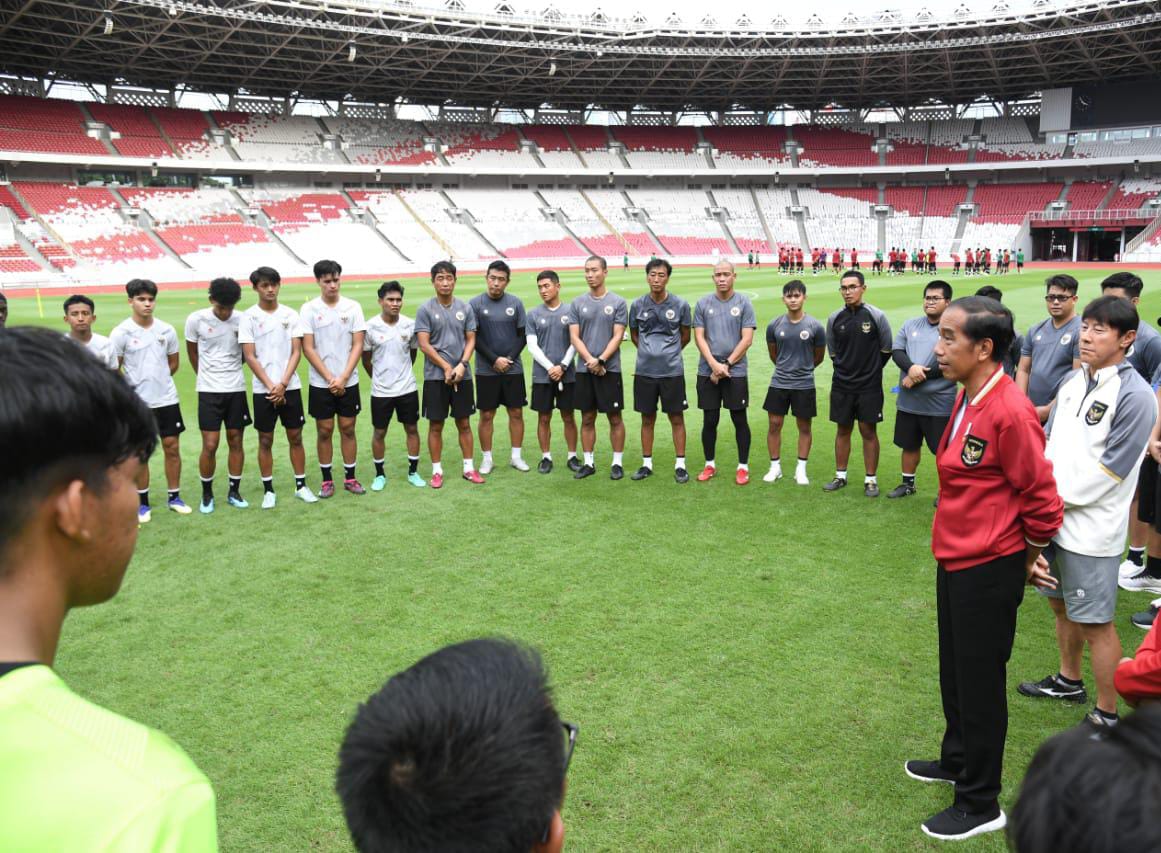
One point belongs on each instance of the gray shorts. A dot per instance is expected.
(1087, 584)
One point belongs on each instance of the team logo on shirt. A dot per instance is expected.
(804, 334)
(510, 311)
(485, 312)
(670, 314)
(735, 311)
(609, 310)
(1066, 340)
(460, 316)
(866, 327)
(285, 324)
(563, 321)
(343, 318)
(973, 451)
(1095, 412)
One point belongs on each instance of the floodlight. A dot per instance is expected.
(352, 52)
(552, 69)
(108, 25)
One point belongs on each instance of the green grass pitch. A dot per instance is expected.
(749, 667)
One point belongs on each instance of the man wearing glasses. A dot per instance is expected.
(858, 337)
(1051, 347)
(925, 397)
(462, 751)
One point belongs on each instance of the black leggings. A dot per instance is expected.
(709, 433)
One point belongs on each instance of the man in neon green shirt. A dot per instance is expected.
(74, 776)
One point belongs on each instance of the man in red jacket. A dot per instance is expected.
(998, 508)
(1139, 679)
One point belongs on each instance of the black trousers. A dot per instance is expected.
(977, 624)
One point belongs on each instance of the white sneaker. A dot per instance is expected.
(268, 500)
(1141, 582)
(306, 495)
(801, 479)
(486, 466)
(520, 465)
(773, 475)
(1128, 569)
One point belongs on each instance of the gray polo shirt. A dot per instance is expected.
(551, 330)
(596, 318)
(796, 343)
(935, 396)
(447, 327)
(723, 321)
(1053, 351)
(498, 322)
(1145, 354)
(658, 327)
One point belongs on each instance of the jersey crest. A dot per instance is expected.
(510, 311)
(866, 327)
(460, 316)
(735, 311)
(1095, 413)
(973, 451)
(609, 310)
(804, 335)
(1065, 340)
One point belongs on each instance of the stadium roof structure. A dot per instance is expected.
(392, 52)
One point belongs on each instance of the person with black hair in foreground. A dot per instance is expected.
(1096, 793)
(74, 776)
(463, 751)
(998, 509)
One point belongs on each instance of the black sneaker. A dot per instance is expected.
(1052, 687)
(681, 475)
(574, 464)
(902, 490)
(1098, 722)
(1144, 619)
(928, 771)
(584, 471)
(545, 466)
(870, 490)
(616, 472)
(952, 824)
(835, 484)
(641, 473)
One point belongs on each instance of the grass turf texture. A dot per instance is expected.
(749, 667)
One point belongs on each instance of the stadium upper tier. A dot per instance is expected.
(161, 134)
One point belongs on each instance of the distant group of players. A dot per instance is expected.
(922, 262)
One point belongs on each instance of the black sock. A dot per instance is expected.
(1153, 567)
(1068, 681)
(379, 472)
(174, 494)
(413, 464)
(235, 483)
(268, 484)
(1137, 556)
(207, 490)
(1107, 715)
(349, 470)
(143, 497)
(326, 473)
(299, 483)
(909, 479)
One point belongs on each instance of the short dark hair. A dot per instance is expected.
(225, 291)
(443, 266)
(326, 267)
(604, 263)
(857, 274)
(1113, 311)
(987, 318)
(795, 285)
(1063, 281)
(657, 263)
(79, 299)
(942, 286)
(548, 274)
(502, 267)
(138, 286)
(992, 292)
(1092, 793)
(462, 751)
(78, 426)
(390, 287)
(265, 274)
(1127, 281)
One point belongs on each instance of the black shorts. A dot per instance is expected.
(441, 399)
(732, 394)
(230, 408)
(322, 405)
(267, 415)
(547, 396)
(508, 391)
(866, 407)
(604, 394)
(803, 402)
(169, 420)
(913, 431)
(669, 391)
(1147, 498)
(404, 407)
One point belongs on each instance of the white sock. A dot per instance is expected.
(680, 462)
(870, 478)
(840, 475)
(469, 466)
(589, 458)
(547, 456)
(801, 467)
(436, 468)
(517, 454)
(743, 466)
(572, 454)
(709, 463)
(487, 458)
(617, 457)
(647, 462)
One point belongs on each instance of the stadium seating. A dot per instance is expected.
(226, 248)
(13, 259)
(905, 199)
(277, 139)
(300, 207)
(139, 136)
(830, 146)
(188, 131)
(481, 145)
(555, 149)
(1121, 149)
(1010, 203)
(37, 124)
(660, 147)
(1130, 195)
(7, 199)
(399, 225)
(908, 141)
(380, 142)
(747, 147)
(178, 205)
(1087, 195)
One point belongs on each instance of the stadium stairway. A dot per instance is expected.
(800, 219)
(601, 218)
(470, 221)
(32, 251)
(372, 223)
(721, 220)
(770, 241)
(1114, 185)
(560, 219)
(66, 251)
(229, 146)
(964, 216)
(145, 222)
(104, 138)
(643, 220)
(423, 224)
(575, 150)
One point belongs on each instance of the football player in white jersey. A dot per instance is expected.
(80, 313)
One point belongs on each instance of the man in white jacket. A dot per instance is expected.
(1098, 429)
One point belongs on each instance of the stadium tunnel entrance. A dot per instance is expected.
(1096, 243)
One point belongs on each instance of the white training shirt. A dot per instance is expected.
(391, 347)
(272, 335)
(146, 351)
(219, 353)
(101, 348)
(332, 327)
